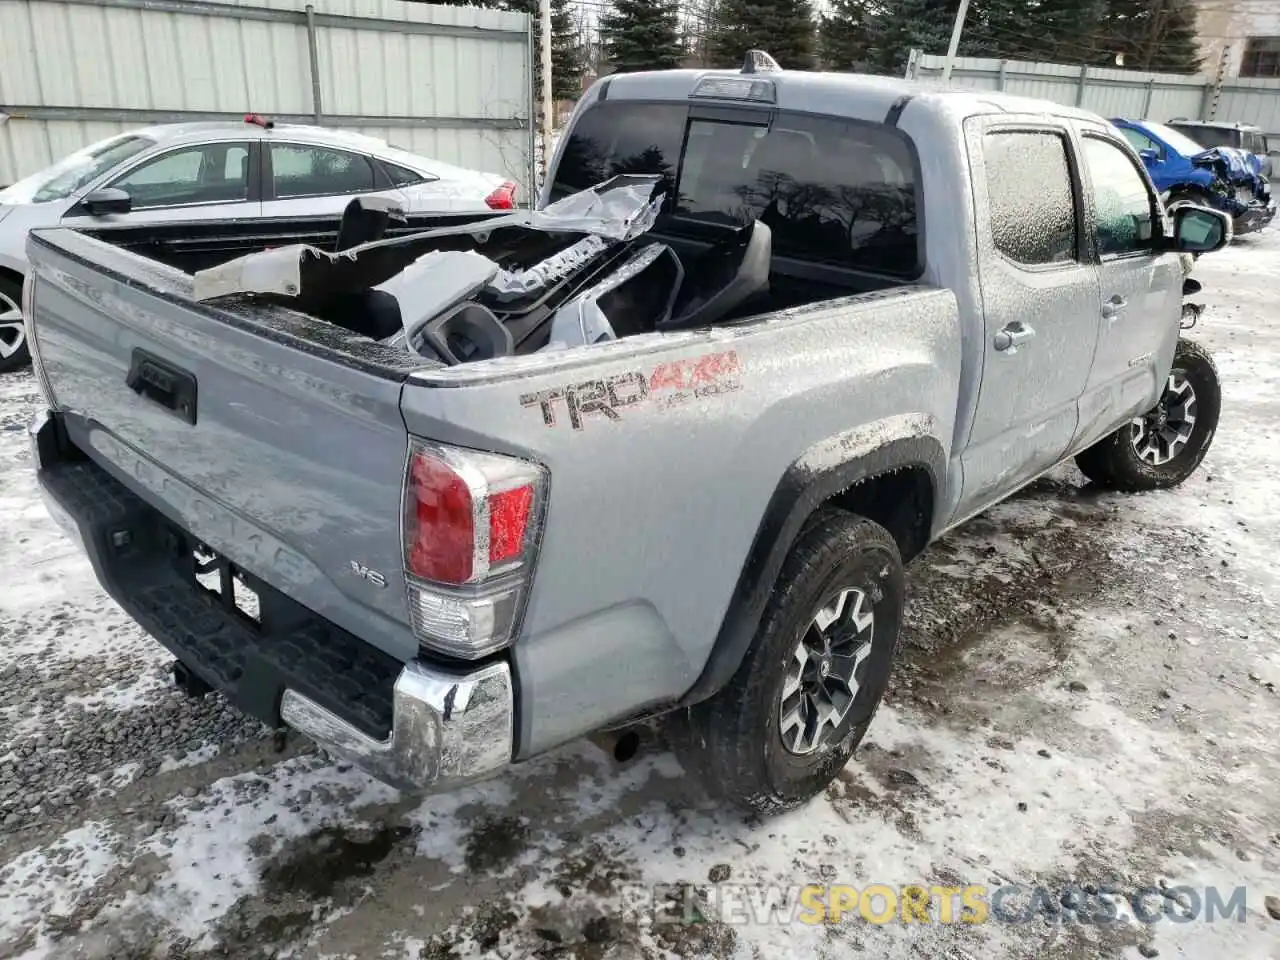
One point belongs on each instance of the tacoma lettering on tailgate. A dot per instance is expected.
(665, 386)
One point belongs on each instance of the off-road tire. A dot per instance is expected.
(1113, 462)
(732, 741)
(12, 290)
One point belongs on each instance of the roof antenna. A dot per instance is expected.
(757, 61)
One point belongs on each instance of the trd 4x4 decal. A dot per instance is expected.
(665, 386)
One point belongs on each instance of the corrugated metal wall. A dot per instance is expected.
(1118, 93)
(453, 83)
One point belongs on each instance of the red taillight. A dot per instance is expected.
(509, 513)
(471, 525)
(504, 198)
(441, 544)
(467, 515)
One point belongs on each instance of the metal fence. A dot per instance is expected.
(451, 83)
(1118, 93)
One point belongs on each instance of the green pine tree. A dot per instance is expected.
(1123, 31)
(1174, 47)
(642, 35)
(1069, 31)
(1178, 50)
(1010, 29)
(844, 36)
(900, 25)
(785, 29)
(567, 56)
(1152, 34)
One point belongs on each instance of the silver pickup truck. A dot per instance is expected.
(658, 447)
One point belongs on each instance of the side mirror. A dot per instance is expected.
(105, 201)
(1149, 157)
(1199, 230)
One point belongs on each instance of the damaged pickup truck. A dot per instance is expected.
(445, 500)
(1224, 178)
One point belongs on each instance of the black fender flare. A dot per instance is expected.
(809, 482)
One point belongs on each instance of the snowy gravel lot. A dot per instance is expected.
(1089, 695)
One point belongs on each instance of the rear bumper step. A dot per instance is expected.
(447, 729)
(416, 726)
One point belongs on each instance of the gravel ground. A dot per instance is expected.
(1088, 696)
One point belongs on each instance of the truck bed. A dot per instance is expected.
(349, 295)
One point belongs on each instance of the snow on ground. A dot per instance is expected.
(1086, 702)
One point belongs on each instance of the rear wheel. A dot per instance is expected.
(810, 683)
(13, 334)
(1163, 447)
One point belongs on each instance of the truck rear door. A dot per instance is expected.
(282, 454)
(1039, 299)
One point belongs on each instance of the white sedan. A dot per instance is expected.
(220, 171)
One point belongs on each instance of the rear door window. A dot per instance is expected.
(313, 171)
(832, 191)
(1031, 197)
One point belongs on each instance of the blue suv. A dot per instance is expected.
(1224, 178)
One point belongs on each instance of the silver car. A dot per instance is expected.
(220, 171)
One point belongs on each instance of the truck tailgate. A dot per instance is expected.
(289, 462)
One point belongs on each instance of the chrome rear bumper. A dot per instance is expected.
(449, 728)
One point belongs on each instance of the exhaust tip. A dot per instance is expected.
(621, 745)
(626, 746)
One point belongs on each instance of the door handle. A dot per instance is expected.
(1014, 333)
(1114, 307)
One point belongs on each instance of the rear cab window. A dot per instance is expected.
(833, 191)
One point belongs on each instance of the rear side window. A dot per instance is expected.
(1032, 203)
(402, 176)
(832, 191)
(312, 171)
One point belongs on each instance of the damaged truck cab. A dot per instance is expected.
(660, 447)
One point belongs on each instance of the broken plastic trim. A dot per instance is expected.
(582, 321)
(619, 209)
